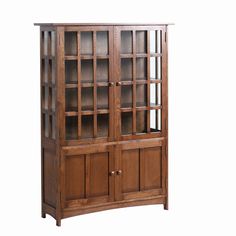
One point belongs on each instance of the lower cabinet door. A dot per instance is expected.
(142, 170)
(87, 178)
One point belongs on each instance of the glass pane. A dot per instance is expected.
(126, 69)
(126, 96)
(159, 69)
(102, 72)
(87, 71)
(53, 106)
(45, 97)
(53, 127)
(141, 68)
(126, 42)
(87, 127)
(141, 95)
(45, 43)
(71, 71)
(53, 43)
(126, 123)
(159, 39)
(87, 98)
(153, 41)
(102, 42)
(49, 98)
(46, 125)
(102, 97)
(155, 120)
(141, 42)
(103, 124)
(71, 127)
(141, 121)
(153, 94)
(53, 71)
(159, 119)
(86, 43)
(153, 68)
(71, 99)
(45, 70)
(71, 43)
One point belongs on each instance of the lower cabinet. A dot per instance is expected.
(107, 173)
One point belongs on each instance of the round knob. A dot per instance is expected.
(118, 83)
(119, 172)
(111, 84)
(112, 173)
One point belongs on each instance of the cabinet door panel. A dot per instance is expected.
(75, 177)
(151, 168)
(142, 170)
(86, 178)
(98, 172)
(130, 168)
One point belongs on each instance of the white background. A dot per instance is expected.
(202, 122)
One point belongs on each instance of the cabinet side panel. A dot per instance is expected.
(49, 177)
(151, 168)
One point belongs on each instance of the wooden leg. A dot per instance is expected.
(58, 222)
(166, 205)
(43, 215)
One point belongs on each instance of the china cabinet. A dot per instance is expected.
(104, 117)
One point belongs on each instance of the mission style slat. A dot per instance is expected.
(104, 117)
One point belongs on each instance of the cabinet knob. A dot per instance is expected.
(119, 172)
(118, 83)
(112, 173)
(111, 84)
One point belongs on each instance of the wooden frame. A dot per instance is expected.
(104, 117)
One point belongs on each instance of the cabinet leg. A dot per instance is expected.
(58, 222)
(166, 205)
(43, 215)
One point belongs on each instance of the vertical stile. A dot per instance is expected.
(134, 83)
(60, 74)
(87, 176)
(148, 81)
(79, 84)
(110, 89)
(163, 79)
(94, 86)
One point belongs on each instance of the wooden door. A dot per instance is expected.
(141, 169)
(87, 177)
(141, 81)
(86, 84)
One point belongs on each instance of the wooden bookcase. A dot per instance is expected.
(104, 117)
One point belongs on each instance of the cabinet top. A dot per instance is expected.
(101, 24)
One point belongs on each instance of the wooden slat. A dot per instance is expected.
(134, 83)
(95, 128)
(79, 85)
(111, 95)
(87, 175)
(60, 65)
(148, 81)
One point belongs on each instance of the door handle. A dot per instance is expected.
(118, 83)
(112, 173)
(111, 84)
(119, 172)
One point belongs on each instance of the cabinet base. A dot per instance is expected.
(69, 212)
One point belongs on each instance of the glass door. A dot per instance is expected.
(139, 81)
(88, 84)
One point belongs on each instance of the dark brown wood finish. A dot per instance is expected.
(104, 130)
